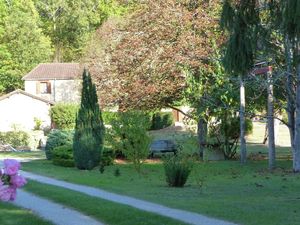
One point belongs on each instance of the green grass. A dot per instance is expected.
(12, 215)
(23, 155)
(243, 194)
(105, 211)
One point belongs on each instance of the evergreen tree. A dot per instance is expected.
(240, 19)
(89, 129)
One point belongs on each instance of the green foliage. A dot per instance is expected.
(161, 120)
(63, 156)
(129, 134)
(225, 132)
(37, 123)
(57, 138)
(89, 129)
(109, 116)
(291, 18)
(177, 170)
(15, 138)
(107, 157)
(64, 115)
(23, 44)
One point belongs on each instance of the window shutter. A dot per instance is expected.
(49, 87)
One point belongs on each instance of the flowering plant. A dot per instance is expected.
(10, 180)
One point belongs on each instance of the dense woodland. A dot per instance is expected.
(167, 53)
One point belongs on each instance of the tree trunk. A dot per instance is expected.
(202, 135)
(271, 134)
(296, 153)
(242, 122)
(290, 92)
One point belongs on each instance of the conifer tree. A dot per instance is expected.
(89, 129)
(239, 18)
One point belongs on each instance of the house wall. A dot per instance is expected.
(61, 90)
(20, 110)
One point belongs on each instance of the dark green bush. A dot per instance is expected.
(15, 138)
(63, 115)
(57, 138)
(107, 157)
(177, 170)
(161, 120)
(63, 156)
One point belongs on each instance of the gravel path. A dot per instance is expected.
(181, 215)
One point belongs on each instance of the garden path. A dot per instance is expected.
(181, 215)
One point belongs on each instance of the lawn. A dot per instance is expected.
(105, 211)
(12, 215)
(23, 155)
(242, 194)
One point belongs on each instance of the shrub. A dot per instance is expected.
(129, 134)
(89, 129)
(108, 116)
(177, 170)
(161, 120)
(15, 138)
(63, 156)
(63, 115)
(226, 132)
(57, 138)
(107, 157)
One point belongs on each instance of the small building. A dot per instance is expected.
(20, 110)
(57, 82)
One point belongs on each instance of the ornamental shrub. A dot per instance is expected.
(57, 138)
(109, 116)
(177, 170)
(63, 156)
(63, 115)
(15, 138)
(161, 120)
(89, 129)
(129, 134)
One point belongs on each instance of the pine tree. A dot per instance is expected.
(89, 129)
(240, 18)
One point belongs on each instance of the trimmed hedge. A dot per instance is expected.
(57, 138)
(63, 115)
(63, 156)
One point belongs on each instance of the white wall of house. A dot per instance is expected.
(61, 90)
(19, 111)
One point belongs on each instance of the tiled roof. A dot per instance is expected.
(27, 94)
(52, 71)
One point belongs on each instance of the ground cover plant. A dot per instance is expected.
(102, 210)
(224, 190)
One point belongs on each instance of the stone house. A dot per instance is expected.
(57, 82)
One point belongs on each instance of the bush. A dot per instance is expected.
(63, 115)
(63, 156)
(108, 116)
(57, 138)
(161, 120)
(15, 138)
(177, 170)
(107, 157)
(129, 134)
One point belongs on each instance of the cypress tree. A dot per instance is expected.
(89, 129)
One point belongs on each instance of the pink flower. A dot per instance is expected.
(7, 193)
(17, 181)
(11, 166)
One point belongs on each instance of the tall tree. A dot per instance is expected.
(239, 18)
(291, 28)
(70, 23)
(22, 43)
(89, 128)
